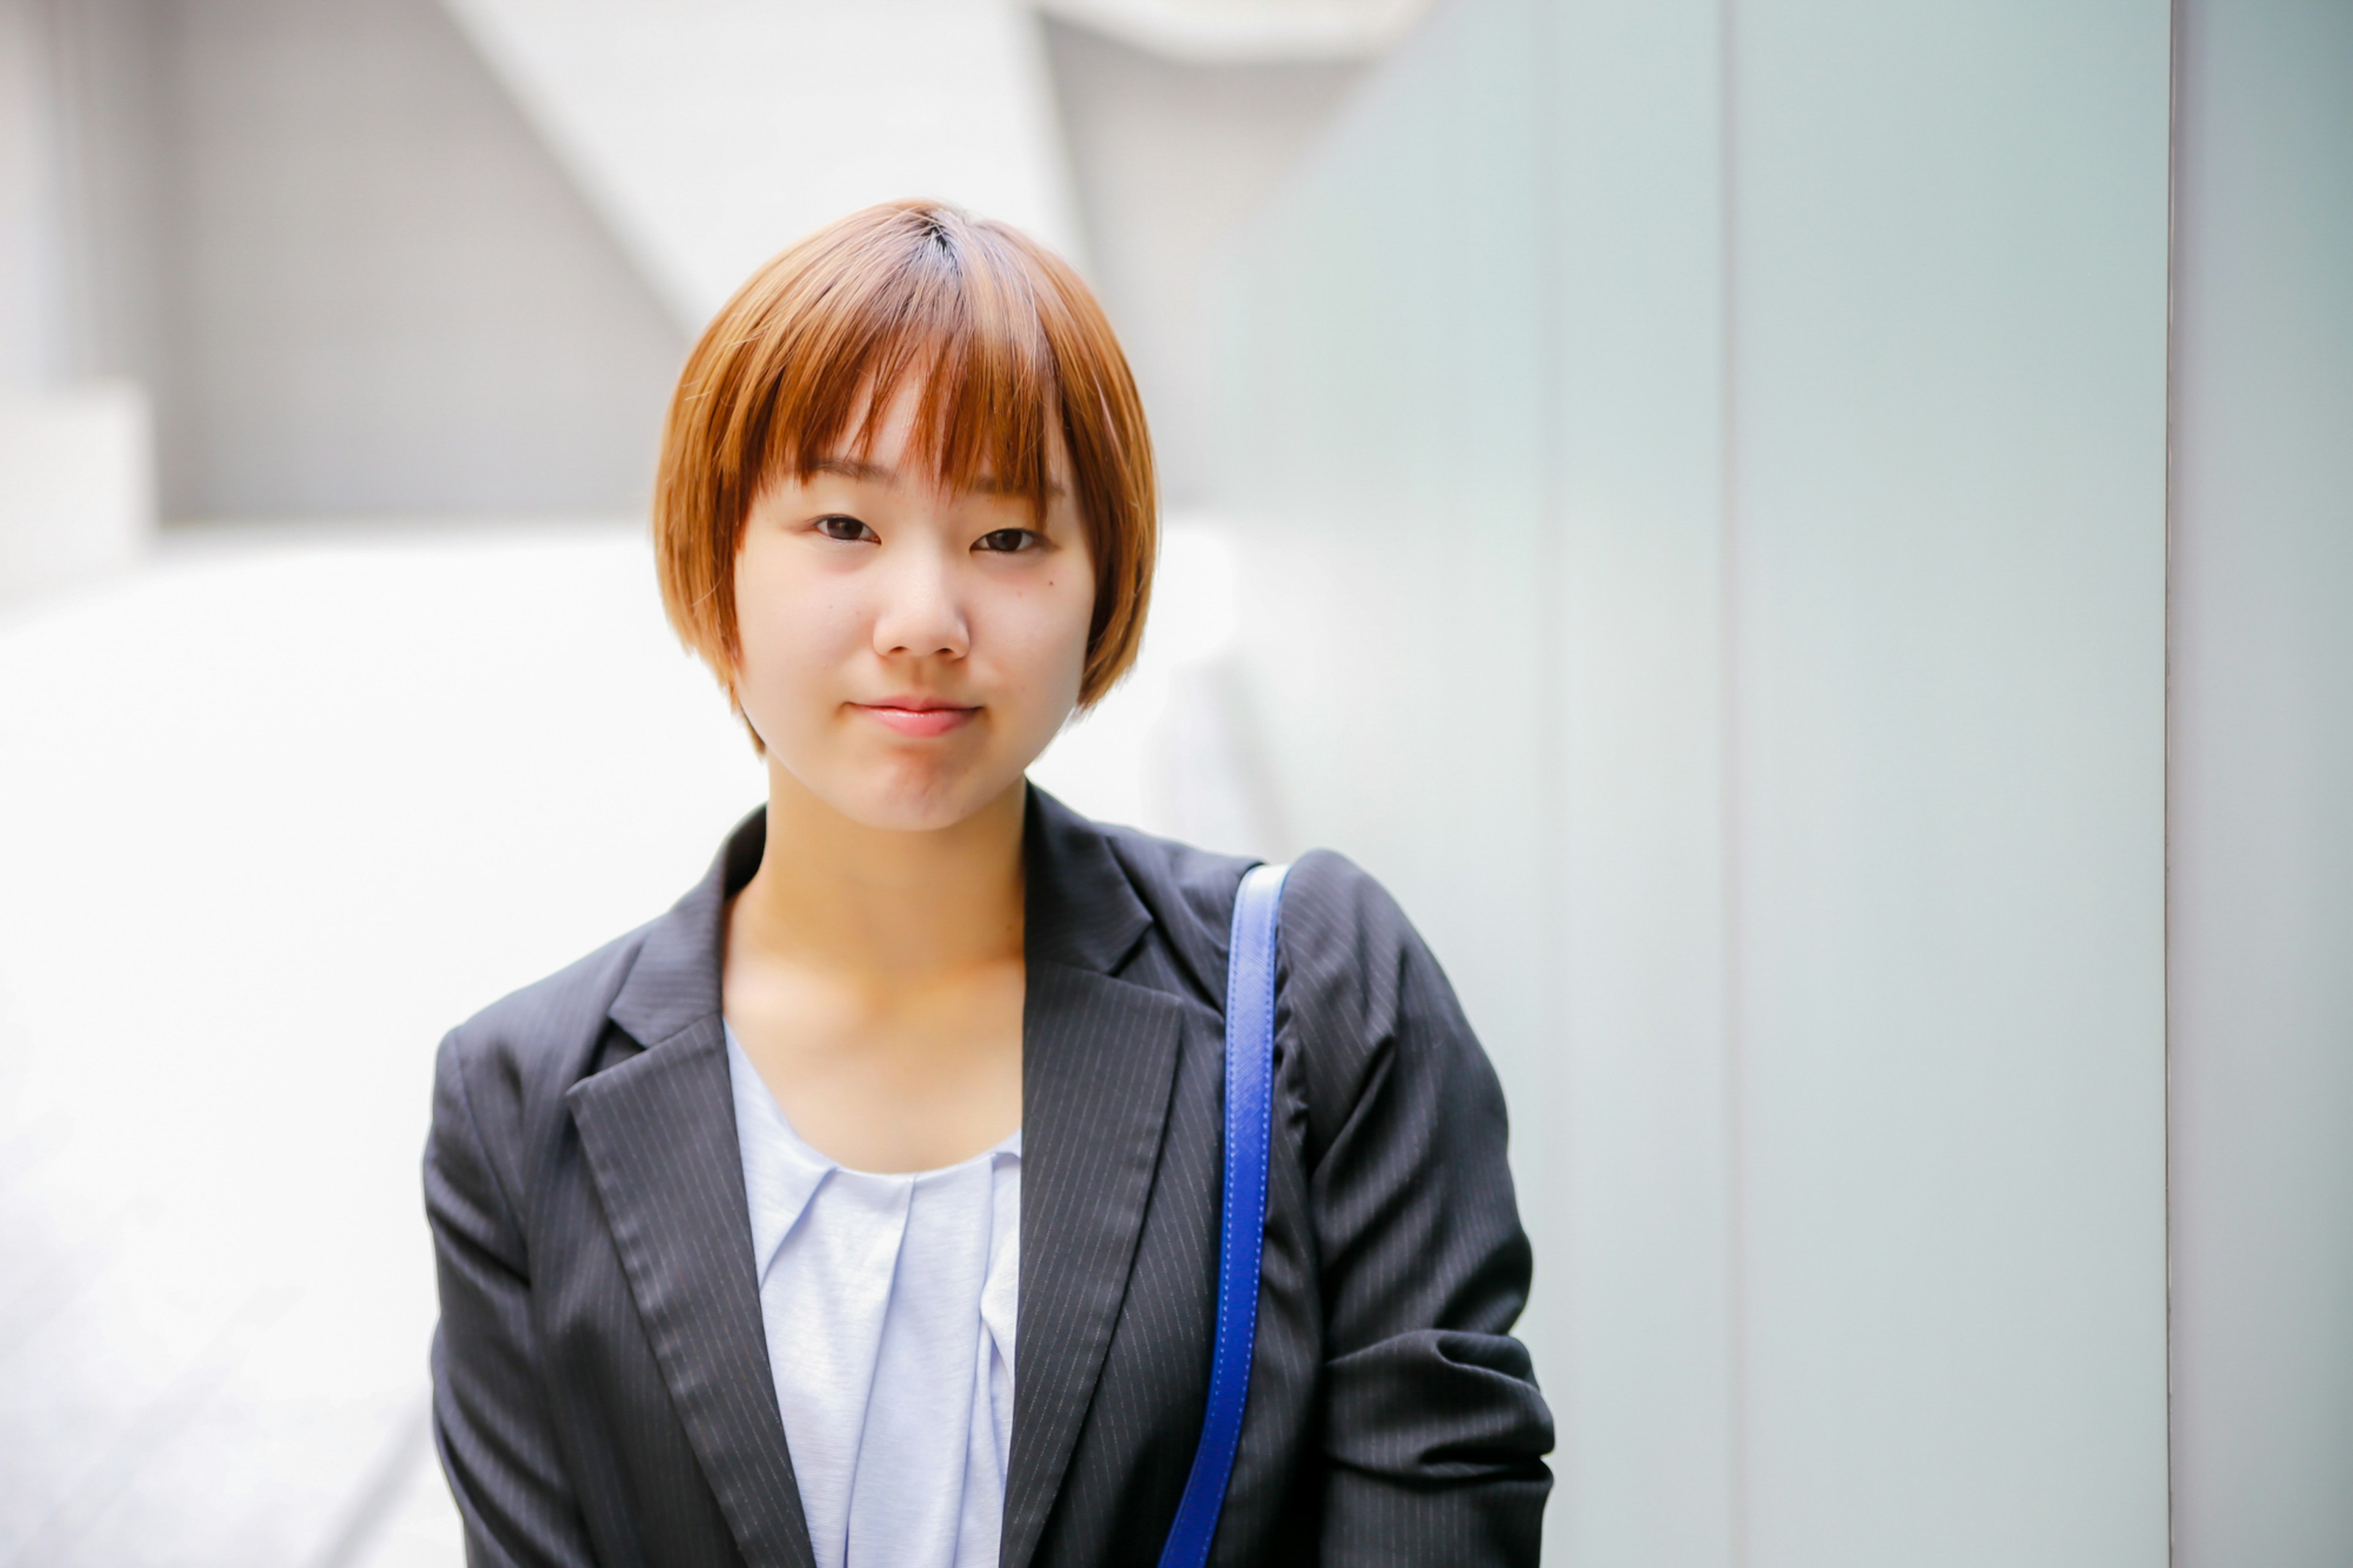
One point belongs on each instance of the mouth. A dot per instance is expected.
(919, 716)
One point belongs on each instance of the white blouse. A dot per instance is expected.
(889, 1303)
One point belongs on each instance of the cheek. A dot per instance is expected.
(792, 625)
(1042, 628)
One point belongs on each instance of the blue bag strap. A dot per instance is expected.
(1241, 1234)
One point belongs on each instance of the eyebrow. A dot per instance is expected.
(875, 474)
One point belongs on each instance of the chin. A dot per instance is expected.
(915, 800)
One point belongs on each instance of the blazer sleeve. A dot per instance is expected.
(1434, 1429)
(490, 1420)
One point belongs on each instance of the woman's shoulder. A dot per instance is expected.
(1332, 907)
(1323, 891)
(530, 1046)
(1360, 1003)
(1350, 958)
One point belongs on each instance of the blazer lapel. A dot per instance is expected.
(1098, 1062)
(1098, 1067)
(658, 1131)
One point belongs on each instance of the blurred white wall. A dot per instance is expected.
(715, 132)
(1701, 482)
(77, 486)
(2262, 787)
(279, 809)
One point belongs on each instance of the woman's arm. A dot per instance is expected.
(1435, 1432)
(490, 1420)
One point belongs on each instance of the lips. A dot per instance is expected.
(920, 717)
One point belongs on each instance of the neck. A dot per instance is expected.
(891, 905)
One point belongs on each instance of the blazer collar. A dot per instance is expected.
(674, 984)
(1098, 1058)
(1083, 912)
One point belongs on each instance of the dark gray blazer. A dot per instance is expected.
(601, 1387)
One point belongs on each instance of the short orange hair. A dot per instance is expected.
(1005, 337)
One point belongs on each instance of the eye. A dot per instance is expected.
(1009, 540)
(849, 529)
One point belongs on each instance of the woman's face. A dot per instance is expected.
(907, 651)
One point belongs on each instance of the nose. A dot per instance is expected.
(921, 614)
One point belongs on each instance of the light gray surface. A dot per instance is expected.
(104, 137)
(2262, 776)
(32, 268)
(385, 299)
(1703, 498)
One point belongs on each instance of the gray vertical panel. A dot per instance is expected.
(1647, 1413)
(2262, 775)
(32, 216)
(383, 296)
(110, 81)
(1948, 358)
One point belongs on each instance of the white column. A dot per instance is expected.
(1948, 358)
(1640, 1358)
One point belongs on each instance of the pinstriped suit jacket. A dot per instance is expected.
(602, 1392)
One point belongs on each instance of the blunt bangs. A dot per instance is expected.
(1000, 341)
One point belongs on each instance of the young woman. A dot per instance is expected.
(863, 1210)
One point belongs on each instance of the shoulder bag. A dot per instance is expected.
(1242, 1232)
